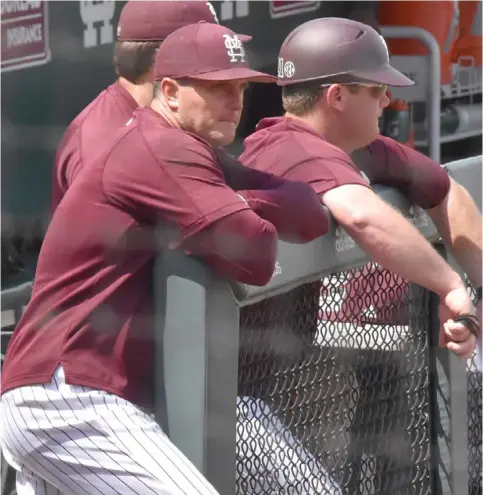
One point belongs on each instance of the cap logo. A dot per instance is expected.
(97, 20)
(234, 48)
(285, 68)
(213, 11)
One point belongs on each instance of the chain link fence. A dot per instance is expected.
(474, 423)
(334, 381)
(333, 389)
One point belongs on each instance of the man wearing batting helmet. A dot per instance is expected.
(79, 367)
(334, 75)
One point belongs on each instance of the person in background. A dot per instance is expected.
(142, 27)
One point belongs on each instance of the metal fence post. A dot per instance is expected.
(197, 326)
(434, 87)
(450, 410)
(468, 173)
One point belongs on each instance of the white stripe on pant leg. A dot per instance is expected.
(124, 427)
(273, 458)
(154, 462)
(97, 402)
(141, 434)
(21, 456)
(87, 445)
(178, 460)
(90, 439)
(75, 444)
(28, 483)
(55, 447)
(56, 419)
(116, 417)
(36, 460)
(106, 427)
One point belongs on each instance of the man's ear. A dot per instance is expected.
(336, 96)
(170, 91)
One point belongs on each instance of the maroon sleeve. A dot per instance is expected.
(169, 177)
(241, 246)
(178, 182)
(292, 207)
(421, 180)
(67, 161)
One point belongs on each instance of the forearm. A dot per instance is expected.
(395, 244)
(242, 247)
(388, 238)
(293, 208)
(459, 222)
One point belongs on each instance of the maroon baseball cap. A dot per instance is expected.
(205, 51)
(337, 50)
(156, 20)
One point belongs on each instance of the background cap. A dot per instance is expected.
(340, 50)
(205, 51)
(155, 20)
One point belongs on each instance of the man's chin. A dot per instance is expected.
(370, 138)
(222, 138)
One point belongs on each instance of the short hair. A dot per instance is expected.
(133, 59)
(156, 89)
(300, 98)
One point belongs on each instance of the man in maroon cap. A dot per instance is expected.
(334, 75)
(142, 28)
(79, 366)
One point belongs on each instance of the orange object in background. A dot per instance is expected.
(468, 43)
(397, 121)
(440, 18)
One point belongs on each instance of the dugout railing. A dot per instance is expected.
(339, 356)
(354, 384)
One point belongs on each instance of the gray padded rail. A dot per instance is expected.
(335, 251)
(15, 297)
(468, 173)
(196, 321)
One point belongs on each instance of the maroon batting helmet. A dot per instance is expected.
(337, 51)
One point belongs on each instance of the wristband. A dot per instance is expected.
(470, 322)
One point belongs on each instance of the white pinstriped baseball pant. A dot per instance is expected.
(66, 439)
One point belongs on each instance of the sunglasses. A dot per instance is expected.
(377, 90)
